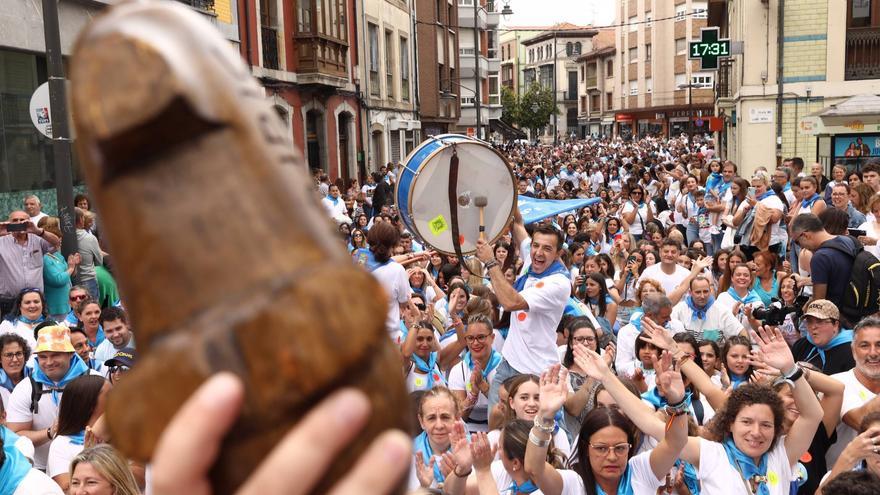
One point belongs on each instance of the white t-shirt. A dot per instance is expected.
(719, 322)
(719, 477)
(336, 211)
(37, 483)
(641, 218)
(626, 361)
(571, 481)
(392, 277)
(560, 441)
(777, 235)
(854, 395)
(61, 452)
(531, 342)
(668, 282)
(21, 329)
(725, 300)
(368, 189)
(460, 380)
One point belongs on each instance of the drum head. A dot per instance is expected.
(482, 172)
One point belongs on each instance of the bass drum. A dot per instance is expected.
(422, 192)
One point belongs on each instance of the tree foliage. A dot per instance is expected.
(536, 106)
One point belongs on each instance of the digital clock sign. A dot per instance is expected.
(708, 49)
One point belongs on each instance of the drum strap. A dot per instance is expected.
(453, 204)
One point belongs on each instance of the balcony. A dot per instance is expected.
(270, 47)
(862, 54)
(202, 5)
(466, 18)
(322, 59)
(468, 66)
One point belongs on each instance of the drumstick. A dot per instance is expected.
(481, 202)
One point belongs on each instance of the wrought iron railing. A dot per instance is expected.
(270, 47)
(862, 53)
(204, 5)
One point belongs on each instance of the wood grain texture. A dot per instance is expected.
(224, 259)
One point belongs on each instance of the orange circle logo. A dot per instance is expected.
(539, 285)
(807, 457)
(521, 317)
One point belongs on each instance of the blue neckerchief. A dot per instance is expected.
(809, 201)
(690, 476)
(365, 258)
(77, 368)
(25, 319)
(766, 195)
(78, 438)
(6, 380)
(746, 466)
(418, 290)
(624, 486)
(99, 337)
(658, 401)
(71, 319)
(403, 331)
(713, 180)
(737, 380)
(16, 466)
(786, 187)
(333, 200)
(494, 361)
(635, 320)
(421, 444)
(527, 487)
(556, 267)
(800, 477)
(842, 337)
(699, 313)
(430, 368)
(751, 297)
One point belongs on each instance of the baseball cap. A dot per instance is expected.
(123, 357)
(54, 339)
(824, 309)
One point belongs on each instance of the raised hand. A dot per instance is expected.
(424, 473)
(482, 452)
(554, 390)
(461, 452)
(657, 335)
(669, 378)
(608, 356)
(773, 350)
(592, 364)
(865, 446)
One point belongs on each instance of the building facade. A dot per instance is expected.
(596, 98)
(387, 78)
(479, 85)
(513, 54)
(437, 66)
(551, 60)
(774, 95)
(660, 92)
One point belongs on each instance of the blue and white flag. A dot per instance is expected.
(534, 210)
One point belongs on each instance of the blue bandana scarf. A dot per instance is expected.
(430, 368)
(624, 486)
(494, 361)
(421, 444)
(750, 298)
(787, 187)
(527, 487)
(77, 368)
(636, 320)
(556, 267)
(99, 337)
(15, 467)
(658, 401)
(842, 337)
(6, 380)
(25, 319)
(746, 466)
(690, 476)
(766, 195)
(77, 439)
(809, 201)
(737, 380)
(333, 200)
(699, 313)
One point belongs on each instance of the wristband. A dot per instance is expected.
(537, 441)
(794, 374)
(491, 264)
(463, 475)
(539, 424)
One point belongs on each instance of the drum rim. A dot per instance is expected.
(417, 172)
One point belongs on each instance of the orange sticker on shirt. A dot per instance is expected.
(539, 285)
(521, 317)
(807, 457)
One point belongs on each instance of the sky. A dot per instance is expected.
(548, 12)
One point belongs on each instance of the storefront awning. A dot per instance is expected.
(857, 115)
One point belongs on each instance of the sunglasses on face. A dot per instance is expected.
(78, 298)
(421, 307)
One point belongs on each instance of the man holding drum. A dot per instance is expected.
(536, 301)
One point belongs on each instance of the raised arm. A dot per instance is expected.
(508, 297)
(698, 267)
(553, 392)
(663, 456)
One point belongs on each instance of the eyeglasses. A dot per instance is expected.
(79, 298)
(470, 339)
(797, 238)
(13, 355)
(603, 450)
(422, 307)
(634, 193)
(118, 369)
(584, 340)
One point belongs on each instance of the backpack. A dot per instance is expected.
(862, 297)
(37, 391)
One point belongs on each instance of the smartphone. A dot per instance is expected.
(857, 232)
(752, 192)
(16, 227)
(631, 259)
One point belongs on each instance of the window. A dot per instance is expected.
(609, 100)
(468, 101)
(540, 53)
(633, 54)
(304, 16)
(609, 68)
(569, 49)
(700, 10)
(703, 79)
(594, 103)
(649, 85)
(633, 23)
(680, 80)
(633, 88)
(389, 64)
(373, 31)
(680, 11)
(680, 46)
(466, 51)
(468, 3)
(861, 13)
(648, 18)
(647, 52)
(494, 89)
(531, 55)
(577, 48)
(404, 69)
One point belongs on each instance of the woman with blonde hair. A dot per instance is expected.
(101, 470)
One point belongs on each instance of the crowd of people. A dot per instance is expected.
(691, 331)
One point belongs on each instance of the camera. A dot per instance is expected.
(775, 313)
